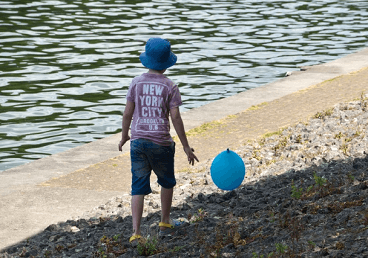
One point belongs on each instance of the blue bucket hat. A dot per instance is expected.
(158, 55)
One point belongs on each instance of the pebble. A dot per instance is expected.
(305, 194)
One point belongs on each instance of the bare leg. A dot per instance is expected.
(166, 200)
(137, 210)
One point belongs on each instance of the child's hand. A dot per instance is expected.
(191, 157)
(123, 141)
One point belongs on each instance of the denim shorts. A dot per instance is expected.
(147, 156)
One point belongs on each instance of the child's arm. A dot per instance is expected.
(179, 128)
(127, 119)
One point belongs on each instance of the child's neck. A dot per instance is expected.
(156, 71)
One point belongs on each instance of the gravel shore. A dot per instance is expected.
(305, 195)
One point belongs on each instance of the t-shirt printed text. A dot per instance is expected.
(150, 105)
(153, 95)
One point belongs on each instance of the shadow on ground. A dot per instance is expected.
(318, 211)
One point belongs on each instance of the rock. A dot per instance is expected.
(74, 229)
(306, 187)
(52, 227)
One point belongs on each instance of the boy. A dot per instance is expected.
(151, 98)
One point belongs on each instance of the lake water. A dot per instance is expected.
(65, 66)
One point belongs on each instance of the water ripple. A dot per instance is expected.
(65, 67)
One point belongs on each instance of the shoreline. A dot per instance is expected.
(306, 189)
(46, 191)
(295, 81)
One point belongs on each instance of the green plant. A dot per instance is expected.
(351, 177)
(319, 180)
(116, 237)
(339, 135)
(148, 246)
(255, 255)
(262, 141)
(272, 215)
(295, 192)
(176, 249)
(102, 253)
(344, 148)
(255, 155)
(203, 128)
(311, 244)
(269, 162)
(198, 217)
(329, 112)
(279, 132)
(357, 133)
(318, 115)
(47, 253)
(283, 142)
(309, 188)
(323, 114)
(280, 248)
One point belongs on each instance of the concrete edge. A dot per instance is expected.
(97, 151)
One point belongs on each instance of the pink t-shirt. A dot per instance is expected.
(154, 95)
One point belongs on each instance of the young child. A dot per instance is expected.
(150, 100)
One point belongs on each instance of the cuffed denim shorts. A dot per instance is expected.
(147, 156)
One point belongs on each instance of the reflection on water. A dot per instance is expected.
(65, 68)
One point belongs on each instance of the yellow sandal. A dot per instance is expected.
(171, 229)
(166, 225)
(133, 240)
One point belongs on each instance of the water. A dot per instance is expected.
(65, 67)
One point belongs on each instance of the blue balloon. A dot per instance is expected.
(227, 170)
